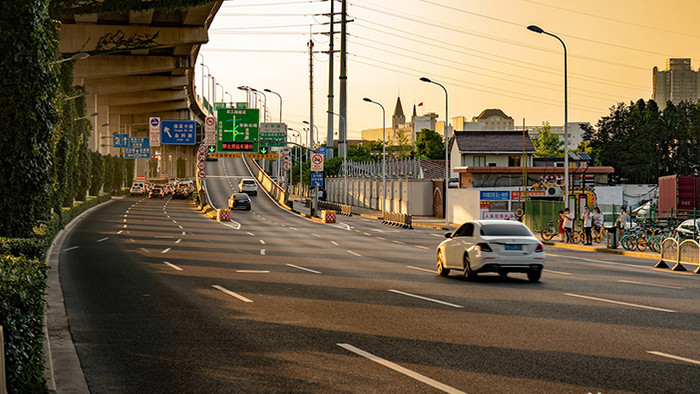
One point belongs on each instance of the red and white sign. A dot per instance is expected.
(515, 194)
(140, 178)
(503, 215)
(202, 165)
(210, 131)
(316, 162)
(286, 166)
(202, 174)
(201, 157)
(202, 149)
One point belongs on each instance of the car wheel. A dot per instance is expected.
(534, 276)
(441, 270)
(468, 273)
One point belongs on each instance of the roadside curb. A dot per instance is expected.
(603, 250)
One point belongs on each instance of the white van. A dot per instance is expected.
(137, 189)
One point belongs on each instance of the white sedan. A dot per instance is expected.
(500, 246)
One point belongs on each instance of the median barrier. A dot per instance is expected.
(398, 220)
(328, 216)
(669, 253)
(689, 254)
(223, 215)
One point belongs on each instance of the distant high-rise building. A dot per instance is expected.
(677, 83)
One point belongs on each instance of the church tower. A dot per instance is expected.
(399, 118)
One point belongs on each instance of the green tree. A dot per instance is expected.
(547, 144)
(28, 96)
(429, 145)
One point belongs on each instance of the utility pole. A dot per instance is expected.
(342, 134)
(329, 134)
(311, 94)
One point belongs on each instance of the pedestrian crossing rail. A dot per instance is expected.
(680, 254)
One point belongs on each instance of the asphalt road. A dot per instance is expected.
(161, 298)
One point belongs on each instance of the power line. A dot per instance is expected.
(493, 38)
(486, 55)
(269, 4)
(486, 89)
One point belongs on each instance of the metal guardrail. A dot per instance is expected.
(345, 210)
(686, 252)
(398, 219)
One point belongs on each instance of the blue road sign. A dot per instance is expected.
(494, 195)
(322, 150)
(140, 143)
(316, 179)
(121, 140)
(137, 153)
(155, 122)
(177, 132)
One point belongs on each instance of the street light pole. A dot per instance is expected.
(222, 90)
(278, 95)
(315, 127)
(344, 141)
(539, 30)
(383, 150)
(447, 149)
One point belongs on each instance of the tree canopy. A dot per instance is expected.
(429, 145)
(547, 144)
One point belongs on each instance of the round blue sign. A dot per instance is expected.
(155, 121)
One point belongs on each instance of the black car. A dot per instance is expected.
(180, 193)
(156, 192)
(239, 201)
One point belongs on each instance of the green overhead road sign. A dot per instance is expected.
(237, 130)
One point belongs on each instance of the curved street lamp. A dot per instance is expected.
(539, 30)
(369, 100)
(77, 56)
(278, 95)
(447, 157)
(83, 94)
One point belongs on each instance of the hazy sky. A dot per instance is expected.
(480, 51)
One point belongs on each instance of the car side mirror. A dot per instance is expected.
(448, 235)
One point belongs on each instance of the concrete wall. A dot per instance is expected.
(410, 196)
(463, 205)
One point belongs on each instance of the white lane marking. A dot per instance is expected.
(178, 241)
(437, 235)
(335, 243)
(382, 238)
(232, 294)
(400, 369)
(399, 242)
(341, 225)
(262, 252)
(168, 216)
(183, 233)
(262, 242)
(293, 228)
(166, 250)
(125, 226)
(688, 360)
(421, 247)
(253, 271)
(251, 234)
(426, 298)
(621, 303)
(174, 221)
(302, 268)
(650, 284)
(71, 248)
(124, 220)
(145, 250)
(316, 235)
(180, 227)
(102, 239)
(232, 224)
(173, 266)
(557, 272)
(353, 253)
(421, 269)
(120, 231)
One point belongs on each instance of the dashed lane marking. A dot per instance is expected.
(557, 272)
(71, 248)
(687, 360)
(253, 271)
(262, 252)
(426, 298)
(102, 239)
(232, 294)
(304, 269)
(621, 303)
(173, 266)
(421, 269)
(335, 243)
(166, 250)
(353, 253)
(178, 241)
(651, 284)
(262, 242)
(421, 247)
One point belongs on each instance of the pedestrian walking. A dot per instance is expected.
(587, 225)
(621, 221)
(568, 224)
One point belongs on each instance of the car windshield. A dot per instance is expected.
(498, 229)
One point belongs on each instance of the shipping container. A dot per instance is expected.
(679, 195)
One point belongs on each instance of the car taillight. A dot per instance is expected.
(539, 248)
(484, 247)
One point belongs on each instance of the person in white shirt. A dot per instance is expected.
(568, 224)
(587, 224)
(622, 221)
(597, 219)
